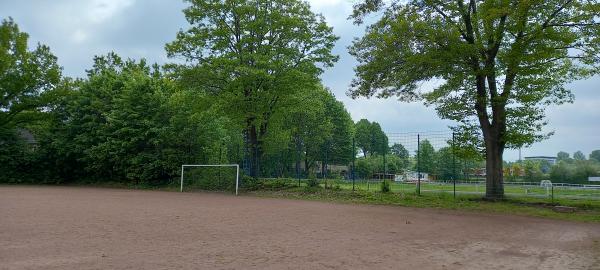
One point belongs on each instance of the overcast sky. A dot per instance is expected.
(76, 30)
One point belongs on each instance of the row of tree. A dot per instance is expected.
(247, 91)
(566, 169)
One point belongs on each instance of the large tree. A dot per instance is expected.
(253, 54)
(370, 138)
(497, 64)
(26, 76)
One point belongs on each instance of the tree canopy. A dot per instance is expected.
(498, 64)
(27, 77)
(254, 54)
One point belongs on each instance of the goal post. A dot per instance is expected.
(237, 172)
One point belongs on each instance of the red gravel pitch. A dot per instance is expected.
(90, 228)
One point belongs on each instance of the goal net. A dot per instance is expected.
(210, 177)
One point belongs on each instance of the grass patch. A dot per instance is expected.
(587, 211)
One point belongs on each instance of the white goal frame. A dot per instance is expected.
(237, 173)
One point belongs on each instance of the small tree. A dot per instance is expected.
(562, 156)
(578, 155)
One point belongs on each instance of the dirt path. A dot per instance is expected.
(90, 228)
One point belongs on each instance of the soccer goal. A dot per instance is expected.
(209, 175)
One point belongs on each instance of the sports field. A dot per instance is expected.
(94, 228)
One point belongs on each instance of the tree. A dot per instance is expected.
(532, 170)
(561, 172)
(578, 155)
(26, 76)
(126, 121)
(426, 156)
(400, 151)
(379, 141)
(562, 156)
(499, 63)
(447, 165)
(337, 148)
(370, 138)
(363, 136)
(253, 54)
(310, 126)
(595, 155)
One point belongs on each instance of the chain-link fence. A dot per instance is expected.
(422, 163)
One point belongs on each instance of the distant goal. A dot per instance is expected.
(210, 176)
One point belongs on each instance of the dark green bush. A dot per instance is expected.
(312, 182)
(385, 186)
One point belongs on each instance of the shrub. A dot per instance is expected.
(312, 182)
(385, 186)
(251, 183)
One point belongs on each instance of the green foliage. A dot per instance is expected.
(385, 186)
(312, 182)
(595, 155)
(133, 123)
(370, 138)
(532, 171)
(400, 151)
(447, 165)
(253, 55)
(578, 155)
(367, 166)
(563, 156)
(27, 77)
(576, 171)
(499, 64)
(28, 84)
(427, 157)
(127, 122)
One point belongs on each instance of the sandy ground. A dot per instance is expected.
(91, 228)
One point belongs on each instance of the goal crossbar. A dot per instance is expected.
(237, 173)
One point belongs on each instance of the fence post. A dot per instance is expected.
(454, 164)
(384, 167)
(353, 158)
(418, 165)
(298, 160)
(220, 160)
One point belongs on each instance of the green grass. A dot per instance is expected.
(587, 210)
(479, 189)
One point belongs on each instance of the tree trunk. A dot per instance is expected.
(494, 173)
(254, 151)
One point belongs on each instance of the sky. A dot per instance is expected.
(76, 30)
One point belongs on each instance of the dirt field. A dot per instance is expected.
(89, 228)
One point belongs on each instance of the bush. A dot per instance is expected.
(332, 184)
(251, 183)
(385, 186)
(312, 182)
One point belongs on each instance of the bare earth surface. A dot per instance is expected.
(92, 228)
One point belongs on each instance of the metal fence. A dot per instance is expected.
(415, 162)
